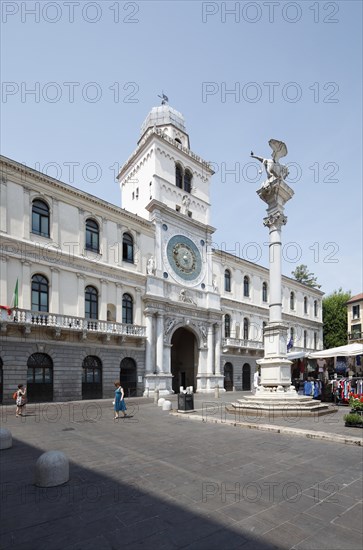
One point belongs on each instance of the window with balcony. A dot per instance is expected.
(40, 293)
(246, 286)
(127, 309)
(315, 308)
(264, 292)
(127, 248)
(91, 302)
(292, 300)
(306, 305)
(227, 326)
(92, 236)
(227, 280)
(40, 218)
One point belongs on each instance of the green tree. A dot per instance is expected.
(302, 275)
(335, 319)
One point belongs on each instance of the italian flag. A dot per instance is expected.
(14, 301)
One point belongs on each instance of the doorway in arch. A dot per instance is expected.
(184, 359)
(228, 377)
(128, 376)
(246, 377)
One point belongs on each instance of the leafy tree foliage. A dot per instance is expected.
(335, 319)
(301, 274)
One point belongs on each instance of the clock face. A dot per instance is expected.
(184, 258)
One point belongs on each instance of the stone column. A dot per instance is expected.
(149, 344)
(103, 301)
(3, 206)
(81, 231)
(54, 294)
(25, 286)
(217, 353)
(80, 308)
(104, 243)
(159, 342)
(54, 224)
(137, 320)
(118, 303)
(4, 282)
(210, 356)
(27, 212)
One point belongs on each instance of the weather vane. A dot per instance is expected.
(164, 98)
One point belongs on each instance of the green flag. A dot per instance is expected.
(15, 302)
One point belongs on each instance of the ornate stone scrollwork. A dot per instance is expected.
(277, 219)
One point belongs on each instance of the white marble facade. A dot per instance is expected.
(175, 331)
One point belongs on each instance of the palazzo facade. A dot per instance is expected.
(136, 294)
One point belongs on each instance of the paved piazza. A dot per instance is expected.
(155, 480)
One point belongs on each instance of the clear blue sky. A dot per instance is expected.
(297, 70)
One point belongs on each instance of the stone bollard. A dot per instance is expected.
(216, 392)
(167, 405)
(51, 469)
(6, 440)
(161, 401)
(156, 396)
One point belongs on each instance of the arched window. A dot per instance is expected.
(246, 326)
(92, 236)
(305, 304)
(40, 378)
(91, 378)
(227, 326)
(292, 300)
(91, 302)
(227, 280)
(40, 293)
(315, 308)
(264, 292)
(40, 218)
(228, 377)
(246, 286)
(187, 181)
(127, 309)
(178, 176)
(127, 248)
(305, 339)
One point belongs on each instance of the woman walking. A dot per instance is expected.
(20, 400)
(120, 404)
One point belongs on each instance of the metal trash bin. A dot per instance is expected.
(185, 402)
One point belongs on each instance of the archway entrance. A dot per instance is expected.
(228, 377)
(91, 378)
(40, 378)
(184, 359)
(128, 378)
(246, 377)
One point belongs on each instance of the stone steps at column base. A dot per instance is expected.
(281, 409)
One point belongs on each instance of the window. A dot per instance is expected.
(127, 248)
(91, 303)
(305, 305)
(187, 181)
(227, 326)
(315, 340)
(264, 292)
(127, 309)
(292, 300)
(246, 286)
(227, 280)
(40, 218)
(178, 176)
(305, 339)
(246, 326)
(40, 291)
(183, 179)
(356, 312)
(92, 236)
(315, 308)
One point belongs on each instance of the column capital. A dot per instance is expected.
(55, 269)
(80, 276)
(26, 263)
(275, 220)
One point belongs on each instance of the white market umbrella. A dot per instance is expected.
(349, 350)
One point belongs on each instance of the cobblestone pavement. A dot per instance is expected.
(155, 480)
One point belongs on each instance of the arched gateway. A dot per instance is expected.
(184, 359)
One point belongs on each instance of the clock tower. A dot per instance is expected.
(166, 183)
